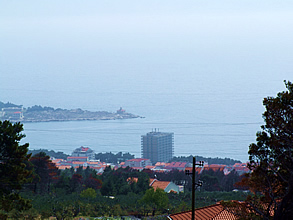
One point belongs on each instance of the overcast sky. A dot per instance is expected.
(41, 26)
(72, 37)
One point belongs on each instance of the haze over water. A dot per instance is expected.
(199, 69)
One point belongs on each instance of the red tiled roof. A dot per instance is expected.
(161, 164)
(93, 162)
(149, 167)
(214, 167)
(152, 180)
(57, 160)
(85, 148)
(132, 179)
(78, 162)
(176, 165)
(160, 184)
(212, 212)
(197, 169)
(240, 165)
(137, 168)
(63, 167)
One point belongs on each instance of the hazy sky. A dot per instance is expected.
(48, 26)
(41, 41)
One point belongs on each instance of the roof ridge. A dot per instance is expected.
(201, 208)
(217, 214)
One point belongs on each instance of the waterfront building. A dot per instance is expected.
(12, 113)
(77, 159)
(157, 146)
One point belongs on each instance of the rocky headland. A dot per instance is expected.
(38, 113)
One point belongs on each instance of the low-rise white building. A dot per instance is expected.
(138, 162)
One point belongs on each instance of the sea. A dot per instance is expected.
(211, 122)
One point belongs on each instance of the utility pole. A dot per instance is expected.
(194, 185)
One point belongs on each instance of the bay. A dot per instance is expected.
(205, 139)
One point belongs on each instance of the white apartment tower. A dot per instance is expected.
(157, 146)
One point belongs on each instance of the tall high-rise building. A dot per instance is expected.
(157, 146)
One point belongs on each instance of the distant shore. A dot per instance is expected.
(74, 115)
(37, 113)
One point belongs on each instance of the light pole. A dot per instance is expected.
(194, 185)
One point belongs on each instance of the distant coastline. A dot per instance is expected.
(37, 113)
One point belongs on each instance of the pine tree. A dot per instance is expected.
(271, 159)
(13, 172)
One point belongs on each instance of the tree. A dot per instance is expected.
(143, 182)
(271, 159)
(76, 183)
(92, 182)
(157, 200)
(13, 172)
(45, 172)
(88, 193)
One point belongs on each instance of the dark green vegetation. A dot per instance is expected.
(114, 158)
(115, 193)
(8, 105)
(13, 172)
(50, 153)
(271, 160)
(213, 180)
(209, 160)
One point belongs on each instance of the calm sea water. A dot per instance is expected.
(205, 122)
(206, 139)
(212, 113)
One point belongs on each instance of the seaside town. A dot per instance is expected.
(84, 157)
(158, 185)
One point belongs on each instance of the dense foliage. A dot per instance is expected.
(13, 171)
(8, 105)
(212, 180)
(114, 158)
(51, 153)
(209, 160)
(119, 192)
(39, 108)
(271, 160)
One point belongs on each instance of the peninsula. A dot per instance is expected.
(37, 113)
